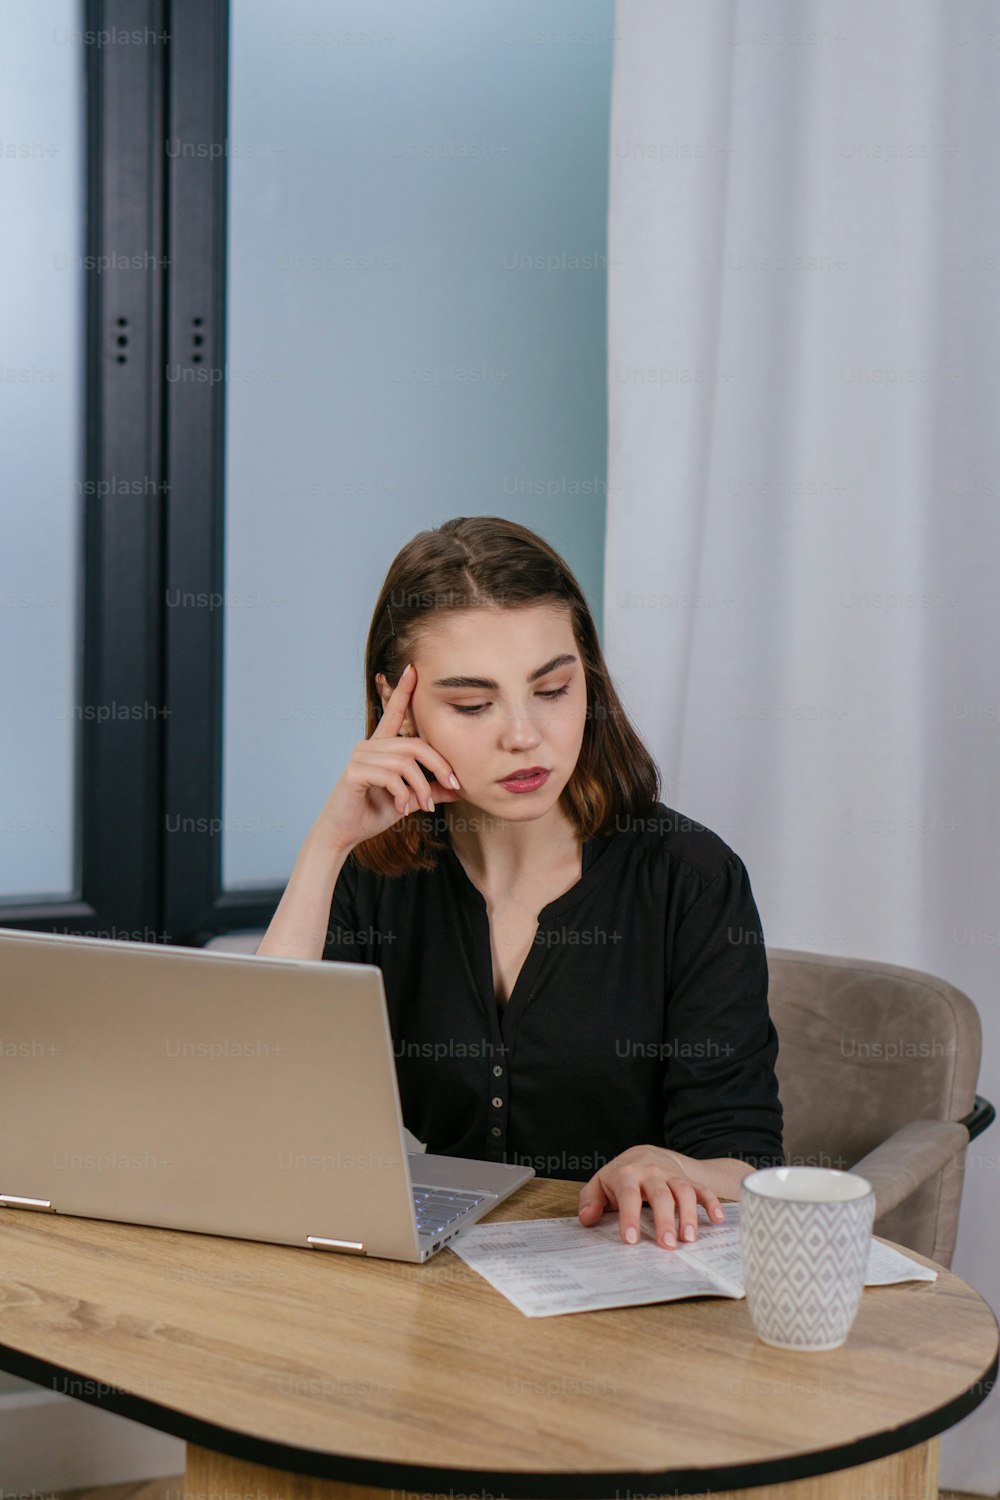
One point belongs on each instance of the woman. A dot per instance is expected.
(575, 973)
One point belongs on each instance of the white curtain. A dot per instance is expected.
(803, 550)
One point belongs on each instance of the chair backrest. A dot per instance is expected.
(864, 1048)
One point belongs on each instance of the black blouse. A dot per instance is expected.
(639, 1016)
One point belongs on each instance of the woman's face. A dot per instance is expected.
(500, 691)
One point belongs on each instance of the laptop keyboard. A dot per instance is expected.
(436, 1208)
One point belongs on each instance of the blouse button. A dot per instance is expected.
(497, 1102)
(496, 1130)
(497, 1071)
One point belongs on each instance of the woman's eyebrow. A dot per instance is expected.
(490, 686)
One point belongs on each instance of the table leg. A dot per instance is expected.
(215, 1476)
(912, 1474)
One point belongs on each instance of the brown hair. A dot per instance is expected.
(474, 562)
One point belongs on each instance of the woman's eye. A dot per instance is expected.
(475, 708)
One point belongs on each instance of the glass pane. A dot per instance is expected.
(41, 431)
(416, 313)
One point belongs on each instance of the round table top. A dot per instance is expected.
(424, 1376)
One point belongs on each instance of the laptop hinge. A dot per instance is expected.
(345, 1247)
(40, 1205)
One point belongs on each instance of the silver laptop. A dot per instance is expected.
(217, 1092)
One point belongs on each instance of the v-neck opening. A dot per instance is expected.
(595, 856)
(599, 857)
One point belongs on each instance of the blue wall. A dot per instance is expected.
(417, 330)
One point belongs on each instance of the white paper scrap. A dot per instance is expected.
(886, 1267)
(551, 1266)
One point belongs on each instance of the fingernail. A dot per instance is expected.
(430, 804)
(403, 673)
(454, 781)
(668, 1239)
(689, 1231)
(631, 1234)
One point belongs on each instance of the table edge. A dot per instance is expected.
(489, 1484)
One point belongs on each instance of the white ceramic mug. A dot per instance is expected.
(805, 1234)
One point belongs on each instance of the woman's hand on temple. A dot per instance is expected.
(383, 780)
(668, 1181)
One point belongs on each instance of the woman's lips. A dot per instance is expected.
(522, 782)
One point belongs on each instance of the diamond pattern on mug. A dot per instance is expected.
(804, 1267)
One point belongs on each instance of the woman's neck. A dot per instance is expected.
(502, 855)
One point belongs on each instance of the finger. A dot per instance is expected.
(391, 759)
(663, 1204)
(593, 1200)
(707, 1198)
(686, 1197)
(375, 776)
(435, 761)
(412, 773)
(415, 754)
(394, 711)
(629, 1209)
(402, 795)
(713, 1207)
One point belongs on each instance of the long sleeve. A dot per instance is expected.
(345, 942)
(720, 1090)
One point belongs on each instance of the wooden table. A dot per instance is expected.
(275, 1363)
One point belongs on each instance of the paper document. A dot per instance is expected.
(551, 1266)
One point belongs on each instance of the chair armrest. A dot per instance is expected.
(909, 1157)
(979, 1117)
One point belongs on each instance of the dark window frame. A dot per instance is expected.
(149, 788)
(196, 906)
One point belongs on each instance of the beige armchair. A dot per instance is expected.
(877, 1069)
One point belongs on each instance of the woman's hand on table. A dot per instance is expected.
(672, 1185)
